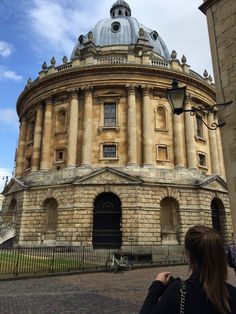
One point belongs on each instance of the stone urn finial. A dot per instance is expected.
(64, 59)
(44, 66)
(141, 33)
(205, 74)
(184, 59)
(90, 35)
(53, 61)
(29, 81)
(173, 55)
(210, 78)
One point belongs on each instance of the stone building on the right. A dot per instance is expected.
(221, 18)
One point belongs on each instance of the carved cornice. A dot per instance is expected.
(146, 73)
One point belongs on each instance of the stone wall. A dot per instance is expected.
(140, 212)
(221, 18)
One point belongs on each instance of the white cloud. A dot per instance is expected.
(5, 49)
(9, 75)
(4, 173)
(8, 117)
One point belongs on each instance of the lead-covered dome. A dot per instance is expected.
(122, 29)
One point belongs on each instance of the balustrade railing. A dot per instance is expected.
(159, 63)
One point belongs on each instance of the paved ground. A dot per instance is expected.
(97, 293)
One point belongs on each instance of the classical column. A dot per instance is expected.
(178, 140)
(132, 142)
(20, 161)
(147, 129)
(73, 129)
(190, 138)
(87, 128)
(38, 132)
(213, 146)
(47, 133)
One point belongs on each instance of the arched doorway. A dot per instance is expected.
(217, 209)
(107, 221)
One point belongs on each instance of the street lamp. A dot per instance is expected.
(177, 97)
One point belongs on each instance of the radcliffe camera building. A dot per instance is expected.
(102, 160)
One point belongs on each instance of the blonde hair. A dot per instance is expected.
(207, 259)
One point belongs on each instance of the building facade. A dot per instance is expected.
(221, 18)
(101, 158)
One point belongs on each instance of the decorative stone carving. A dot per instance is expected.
(53, 61)
(65, 59)
(141, 33)
(44, 66)
(183, 59)
(90, 35)
(205, 74)
(173, 55)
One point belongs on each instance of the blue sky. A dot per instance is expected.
(32, 31)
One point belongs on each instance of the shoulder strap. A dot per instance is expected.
(183, 292)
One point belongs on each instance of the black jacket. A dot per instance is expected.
(166, 300)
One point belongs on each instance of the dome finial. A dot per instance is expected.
(120, 9)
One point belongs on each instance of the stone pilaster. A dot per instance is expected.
(147, 128)
(132, 137)
(213, 146)
(190, 138)
(220, 153)
(73, 129)
(38, 132)
(47, 134)
(178, 140)
(87, 128)
(20, 161)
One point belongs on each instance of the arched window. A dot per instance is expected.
(169, 217)
(51, 215)
(161, 118)
(61, 121)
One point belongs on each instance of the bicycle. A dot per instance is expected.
(118, 261)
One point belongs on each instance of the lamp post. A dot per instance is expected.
(177, 97)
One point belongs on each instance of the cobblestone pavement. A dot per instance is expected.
(98, 293)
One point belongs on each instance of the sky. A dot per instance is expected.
(32, 31)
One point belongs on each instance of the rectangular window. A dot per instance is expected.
(28, 162)
(110, 114)
(199, 126)
(109, 151)
(202, 160)
(162, 153)
(60, 155)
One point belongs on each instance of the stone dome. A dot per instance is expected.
(122, 29)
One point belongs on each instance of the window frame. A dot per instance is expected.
(157, 128)
(106, 99)
(167, 152)
(102, 145)
(198, 160)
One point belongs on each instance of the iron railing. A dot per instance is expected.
(38, 260)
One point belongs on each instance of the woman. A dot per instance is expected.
(206, 289)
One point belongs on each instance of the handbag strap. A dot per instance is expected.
(183, 292)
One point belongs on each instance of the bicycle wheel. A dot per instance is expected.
(111, 266)
(127, 265)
